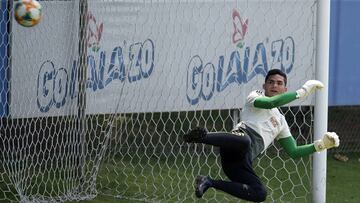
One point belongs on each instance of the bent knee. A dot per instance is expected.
(261, 194)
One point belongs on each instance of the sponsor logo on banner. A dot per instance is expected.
(94, 33)
(240, 29)
(205, 79)
(56, 86)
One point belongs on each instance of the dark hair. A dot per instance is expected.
(276, 72)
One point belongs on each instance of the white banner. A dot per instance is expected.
(151, 57)
(42, 61)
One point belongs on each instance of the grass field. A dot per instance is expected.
(343, 180)
(343, 183)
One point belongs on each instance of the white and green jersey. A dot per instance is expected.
(270, 124)
(263, 123)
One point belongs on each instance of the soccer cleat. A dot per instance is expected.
(195, 135)
(202, 183)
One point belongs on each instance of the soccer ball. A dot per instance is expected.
(28, 12)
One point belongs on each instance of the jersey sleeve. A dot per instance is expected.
(275, 101)
(252, 97)
(291, 148)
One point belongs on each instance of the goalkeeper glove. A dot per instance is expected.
(329, 140)
(309, 87)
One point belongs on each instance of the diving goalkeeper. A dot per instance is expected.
(261, 124)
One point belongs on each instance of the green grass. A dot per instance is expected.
(149, 180)
(343, 180)
(343, 183)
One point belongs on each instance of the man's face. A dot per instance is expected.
(274, 85)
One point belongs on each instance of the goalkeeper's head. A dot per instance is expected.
(275, 83)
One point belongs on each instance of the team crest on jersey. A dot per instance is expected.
(274, 122)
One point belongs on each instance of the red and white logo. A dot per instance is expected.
(240, 29)
(94, 34)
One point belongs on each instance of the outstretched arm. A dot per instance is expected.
(329, 140)
(294, 151)
(264, 102)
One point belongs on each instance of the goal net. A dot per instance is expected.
(96, 97)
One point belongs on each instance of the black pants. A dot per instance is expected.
(236, 163)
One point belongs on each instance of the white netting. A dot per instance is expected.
(96, 97)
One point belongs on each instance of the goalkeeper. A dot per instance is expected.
(261, 123)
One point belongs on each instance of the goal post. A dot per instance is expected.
(99, 93)
(321, 104)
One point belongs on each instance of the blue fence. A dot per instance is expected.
(4, 39)
(344, 73)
